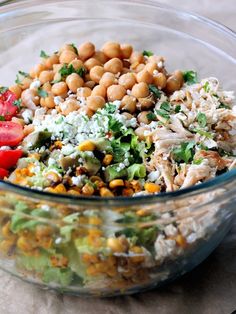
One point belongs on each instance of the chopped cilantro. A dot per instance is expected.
(114, 125)
(69, 69)
(206, 87)
(147, 53)
(42, 93)
(202, 119)
(165, 106)
(151, 116)
(17, 103)
(197, 161)
(20, 76)
(222, 105)
(202, 147)
(203, 133)
(190, 77)
(43, 54)
(177, 108)
(2, 118)
(110, 108)
(163, 113)
(75, 49)
(156, 92)
(184, 153)
(3, 89)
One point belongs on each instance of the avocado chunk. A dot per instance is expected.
(68, 162)
(113, 172)
(92, 164)
(36, 139)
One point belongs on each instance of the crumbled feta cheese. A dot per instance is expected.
(35, 84)
(67, 149)
(154, 175)
(58, 100)
(27, 115)
(78, 181)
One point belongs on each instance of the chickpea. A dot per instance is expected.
(96, 73)
(172, 84)
(30, 98)
(125, 70)
(77, 64)
(67, 56)
(68, 106)
(140, 90)
(127, 80)
(115, 92)
(86, 50)
(140, 132)
(87, 77)
(25, 83)
(136, 57)
(155, 59)
(139, 67)
(126, 51)
(127, 115)
(50, 61)
(100, 56)
(16, 89)
(95, 102)
(90, 84)
(28, 129)
(144, 76)
(87, 111)
(57, 67)
(36, 70)
(74, 81)
(114, 65)
(151, 67)
(18, 120)
(57, 77)
(60, 89)
(47, 87)
(111, 49)
(84, 92)
(142, 117)
(108, 79)
(99, 90)
(179, 75)
(48, 102)
(145, 103)
(128, 103)
(46, 76)
(159, 80)
(91, 62)
(67, 47)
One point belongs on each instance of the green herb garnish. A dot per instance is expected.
(190, 77)
(165, 106)
(202, 119)
(156, 92)
(75, 49)
(2, 118)
(147, 53)
(3, 89)
(184, 153)
(177, 109)
(110, 108)
(222, 105)
(163, 113)
(17, 103)
(206, 87)
(19, 77)
(151, 116)
(43, 54)
(197, 161)
(42, 93)
(204, 133)
(69, 69)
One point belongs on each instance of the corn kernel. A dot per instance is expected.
(143, 212)
(95, 221)
(87, 189)
(127, 192)
(5, 245)
(152, 187)
(115, 245)
(53, 176)
(180, 240)
(26, 244)
(92, 271)
(116, 183)
(139, 255)
(87, 146)
(107, 159)
(104, 192)
(60, 188)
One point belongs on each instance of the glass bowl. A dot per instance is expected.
(104, 247)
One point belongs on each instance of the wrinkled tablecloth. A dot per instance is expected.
(209, 289)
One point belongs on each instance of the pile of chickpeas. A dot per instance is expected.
(116, 72)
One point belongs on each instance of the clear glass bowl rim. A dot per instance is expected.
(217, 182)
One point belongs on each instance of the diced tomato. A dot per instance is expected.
(7, 107)
(11, 133)
(9, 158)
(3, 173)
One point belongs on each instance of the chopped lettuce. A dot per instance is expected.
(63, 276)
(136, 171)
(113, 172)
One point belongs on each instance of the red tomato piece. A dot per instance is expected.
(7, 107)
(3, 173)
(11, 133)
(9, 158)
